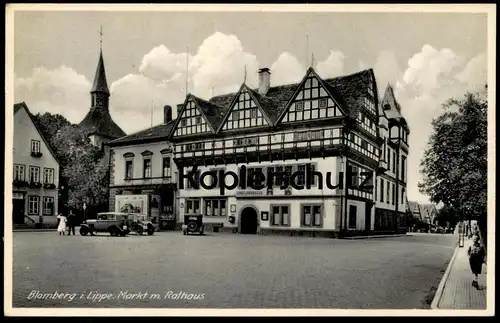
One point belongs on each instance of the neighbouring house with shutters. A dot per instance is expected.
(35, 173)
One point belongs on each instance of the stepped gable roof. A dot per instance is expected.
(100, 84)
(156, 133)
(99, 122)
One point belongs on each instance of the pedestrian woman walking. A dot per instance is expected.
(476, 259)
(61, 228)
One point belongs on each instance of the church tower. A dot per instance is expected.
(98, 123)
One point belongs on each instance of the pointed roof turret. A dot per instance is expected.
(100, 84)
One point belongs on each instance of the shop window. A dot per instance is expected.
(215, 207)
(312, 216)
(192, 206)
(280, 215)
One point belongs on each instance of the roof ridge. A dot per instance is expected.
(348, 75)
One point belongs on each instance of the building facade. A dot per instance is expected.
(322, 149)
(35, 173)
(336, 127)
(141, 165)
(98, 122)
(392, 177)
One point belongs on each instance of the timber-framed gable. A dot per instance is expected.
(245, 112)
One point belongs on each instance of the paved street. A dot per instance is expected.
(232, 271)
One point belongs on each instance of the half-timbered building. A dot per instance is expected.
(319, 130)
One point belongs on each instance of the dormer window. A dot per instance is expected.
(253, 113)
(299, 106)
(387, 106)
(236, 115)
(322, 103)
(183, 122)
(198, 120)
(370, 91)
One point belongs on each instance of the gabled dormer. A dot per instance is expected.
(245, 112)
(312, 100)
(192, 119)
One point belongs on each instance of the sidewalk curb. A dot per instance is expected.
(442, 283)
(34, 230)
(378, 236)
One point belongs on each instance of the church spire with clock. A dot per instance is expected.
(98, 123)
(100, 91)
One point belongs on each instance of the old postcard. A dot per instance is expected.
(250, 160)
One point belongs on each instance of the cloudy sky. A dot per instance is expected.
(428, 57)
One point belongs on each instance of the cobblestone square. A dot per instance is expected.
(229, 271)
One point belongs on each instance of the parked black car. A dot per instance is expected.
(193, 224)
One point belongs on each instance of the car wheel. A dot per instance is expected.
(151, 232)
(113, 232)
(84, 231)
(139, 230)
(185, 233)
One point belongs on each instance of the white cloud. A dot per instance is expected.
(286, 70)
(161, 64)
(333, 65)
(62, 91)
(428, 81)
(428, 68)
(386, 70)
(475, 73)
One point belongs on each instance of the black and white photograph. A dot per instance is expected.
(250, 160)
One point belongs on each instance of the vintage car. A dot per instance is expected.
(193, 224)
(117, 224)
(139, 224)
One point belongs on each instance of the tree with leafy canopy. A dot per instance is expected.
(84, 172)
(454, 164)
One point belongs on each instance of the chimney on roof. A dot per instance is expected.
(264, 80)
(167, 114)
